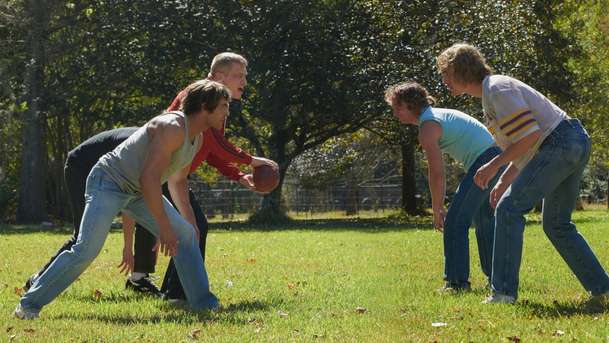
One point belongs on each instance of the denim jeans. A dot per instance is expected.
(104, 200)
(554, 175)
(470, 204)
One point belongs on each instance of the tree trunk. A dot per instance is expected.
(32, 191)
(409, 186)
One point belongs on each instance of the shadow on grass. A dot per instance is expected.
(370, 225)
(176, 314)
(66, 231)
(112, 298)
(557, 309)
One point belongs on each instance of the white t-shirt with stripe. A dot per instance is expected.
(514, 110)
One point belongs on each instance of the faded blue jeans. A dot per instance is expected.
(470, 204)
(554, 175)
(104, 200)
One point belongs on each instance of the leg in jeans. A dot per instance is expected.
(570, 244)
(171, 286)
(103, 201)
(464, 207)
(75, 179)
(484, 220)
(188, 261)
(553, 172)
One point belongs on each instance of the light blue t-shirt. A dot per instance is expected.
(464, 138)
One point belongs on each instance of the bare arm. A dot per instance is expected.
(165, 139)
(486, 173)
(502, 184)
(128, 261)
(429, 136)
(178, 188)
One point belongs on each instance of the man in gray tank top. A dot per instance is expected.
(129, 179)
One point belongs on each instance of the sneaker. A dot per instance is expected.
(24, 314)
(499, 299)
(144, 286)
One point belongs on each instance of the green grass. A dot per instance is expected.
(304, 282)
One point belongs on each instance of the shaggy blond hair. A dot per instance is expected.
(465, 62)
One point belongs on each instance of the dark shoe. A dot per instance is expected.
(144, 286)
(597, 303)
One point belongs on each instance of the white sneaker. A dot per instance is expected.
(23, 314)
(499, 299)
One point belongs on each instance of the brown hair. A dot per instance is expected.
(466, 63)
(203, 94)
(412, 94)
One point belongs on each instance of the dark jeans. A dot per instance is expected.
(171, 283)
(554, 175)
(470, 204)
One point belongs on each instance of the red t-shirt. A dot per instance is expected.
(216, 150)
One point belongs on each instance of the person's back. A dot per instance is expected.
(86, 154)
(463, 137)
(124, 164)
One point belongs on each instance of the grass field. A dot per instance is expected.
(334, 280)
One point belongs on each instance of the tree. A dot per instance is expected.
(32, 190)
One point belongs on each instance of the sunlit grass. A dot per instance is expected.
(320, 280)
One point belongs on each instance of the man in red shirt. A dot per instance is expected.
(229, 69)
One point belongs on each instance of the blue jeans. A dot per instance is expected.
(104, 200)
(553, 175)
(470, 204)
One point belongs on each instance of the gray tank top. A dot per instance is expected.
(124, 164)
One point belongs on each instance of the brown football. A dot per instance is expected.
(265, 178)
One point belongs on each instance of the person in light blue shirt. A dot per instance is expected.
(466, 140)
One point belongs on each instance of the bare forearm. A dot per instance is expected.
(516, 150)
(437, 187)
(128, 229)
(509, 174)
(179, 194)
(151, 191)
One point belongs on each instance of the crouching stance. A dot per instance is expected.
(469, 142)
(129, 179)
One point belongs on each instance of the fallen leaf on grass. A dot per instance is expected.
(18, 291)
(360, 310)
(97, 295)
(251, 260)
(28, 330)
(438, 324)
(558, 333)
(282, 314)
(514, 339)
(195, 334)
(291, 286)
